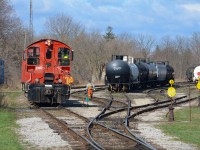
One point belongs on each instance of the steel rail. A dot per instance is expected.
(65, 127)
(126, 123)
(91, 123)
(137, 107)
(161, 106)
(101, 115)
(137, 140)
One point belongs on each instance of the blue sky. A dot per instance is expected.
(153, 17)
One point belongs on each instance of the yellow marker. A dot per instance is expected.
(171, 92)
(198, 85)
(171, 81)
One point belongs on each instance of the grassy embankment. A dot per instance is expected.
(8, 137)
(182, 128)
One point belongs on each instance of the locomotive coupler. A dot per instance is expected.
(48, 92)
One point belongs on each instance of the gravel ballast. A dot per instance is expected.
(38, 133)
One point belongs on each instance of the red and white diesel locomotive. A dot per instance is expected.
(45, 66)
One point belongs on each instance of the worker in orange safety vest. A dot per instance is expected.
(69, 79)
(89, 89)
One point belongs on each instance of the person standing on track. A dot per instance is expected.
(89, 91)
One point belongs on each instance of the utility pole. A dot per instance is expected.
(31, 23)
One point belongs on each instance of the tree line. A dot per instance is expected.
(92, 49)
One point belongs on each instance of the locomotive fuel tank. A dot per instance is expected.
(118, 71)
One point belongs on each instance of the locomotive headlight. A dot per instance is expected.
(48, 42)
(37, 80)
(60, 81)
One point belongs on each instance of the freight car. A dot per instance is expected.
(45, 65)
(124, 73)
(191, 73)
(1, 71)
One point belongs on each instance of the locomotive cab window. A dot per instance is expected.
(33, 54)
(63, 56)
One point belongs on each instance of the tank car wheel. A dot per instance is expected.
(109, 88)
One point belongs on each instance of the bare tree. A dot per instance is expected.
(11, 42)
(91, 53)
(183, 58)
(144, 44)
(195, 46)
(63, 28)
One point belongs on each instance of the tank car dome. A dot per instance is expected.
(118, 67)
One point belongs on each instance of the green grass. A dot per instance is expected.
(182, 128)
(8, 138)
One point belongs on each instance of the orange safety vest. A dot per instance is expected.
(90, 92)
(69, 80)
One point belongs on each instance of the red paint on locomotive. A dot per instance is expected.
(45, 64)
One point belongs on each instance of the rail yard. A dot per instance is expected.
(108, 121)
(100, 75)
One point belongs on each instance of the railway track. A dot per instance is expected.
(75, 127)
(70, 127)
(113, 128)
(112, 134)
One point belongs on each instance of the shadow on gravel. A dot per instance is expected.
(77, 103)
(68, 103)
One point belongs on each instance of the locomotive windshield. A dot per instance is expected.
(33, 54)
(63, 56)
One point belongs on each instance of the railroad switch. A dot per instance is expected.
(171, 113)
